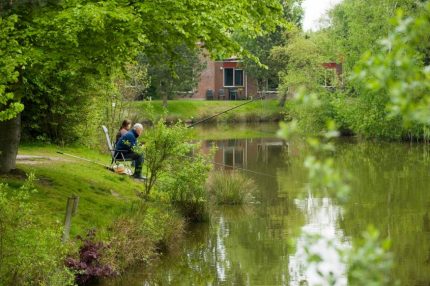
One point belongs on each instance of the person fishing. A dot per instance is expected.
(125, 146)
(125, 127)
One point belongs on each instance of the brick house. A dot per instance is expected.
(333, 75)
(225, 80)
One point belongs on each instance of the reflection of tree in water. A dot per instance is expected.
(391, 191)
(236, 248)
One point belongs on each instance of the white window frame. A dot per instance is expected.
(234, 78)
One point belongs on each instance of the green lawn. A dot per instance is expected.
(223, 131)
(260, 110)
(103, 194)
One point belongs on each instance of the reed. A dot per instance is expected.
(230, 188)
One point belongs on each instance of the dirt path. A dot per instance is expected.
(34, 160)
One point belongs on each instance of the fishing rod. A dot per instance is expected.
(222, 112)
(233, 167)
(190, 157)
(192, 125)
(225, 111)
(84, 159)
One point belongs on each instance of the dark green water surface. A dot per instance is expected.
(262, 244)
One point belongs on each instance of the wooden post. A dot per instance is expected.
(71, 209)
(75, 205)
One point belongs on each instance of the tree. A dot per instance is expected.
(265, 72)
(302, 60)
(357, 25)
(398, 72)
(62, 50)
(170, 73)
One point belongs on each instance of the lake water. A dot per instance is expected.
(263, 244)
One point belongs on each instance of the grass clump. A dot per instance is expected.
(230, 188)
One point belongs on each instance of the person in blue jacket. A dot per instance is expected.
(125, 146)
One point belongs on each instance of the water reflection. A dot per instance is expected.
(322, 217)
(263, 244)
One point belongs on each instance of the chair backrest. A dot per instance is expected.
(109, 143)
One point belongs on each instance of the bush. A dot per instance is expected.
(163, 145)
(31, 252)
(312, 116)
(231, 188)
(184, 184)
(174, 170)
(129, 244)
(89, 265)
(138, 236)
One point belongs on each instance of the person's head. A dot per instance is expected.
(126, 124)
(138, 128)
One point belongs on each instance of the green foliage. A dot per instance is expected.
(162, 145)
(388, 80)
(357, 25)
(369, 261)
(302, 60)
(136, 235)
(230, 188)
(266, 70)
(185, 177)
(398, 73)
(311, 111)
(59, 58)
(69, 63)
(184, 183)
(173, 73)
(31, 252)
(11, 58)
(173, 169)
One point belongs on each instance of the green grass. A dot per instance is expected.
(186, 110)
(223, 131)
(230, 188)
(103, 194)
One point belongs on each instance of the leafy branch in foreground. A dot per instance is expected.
(399, 69)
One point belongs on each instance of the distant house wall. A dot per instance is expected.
(212, 78)
(207, 78)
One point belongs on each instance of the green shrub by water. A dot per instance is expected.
(230, 188)
(139, 235)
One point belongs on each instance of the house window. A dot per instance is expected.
(228, 77)
(238, 77)
(233, 77)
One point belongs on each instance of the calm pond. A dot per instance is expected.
(262, 244)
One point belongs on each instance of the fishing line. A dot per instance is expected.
(84, 159)
(225, 111)
(233, 167)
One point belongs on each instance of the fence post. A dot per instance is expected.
(71, 209)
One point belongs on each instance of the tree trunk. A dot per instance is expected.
(10, 135)
(165, 99)
(282, 100)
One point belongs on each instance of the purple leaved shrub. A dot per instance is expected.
(89, 265)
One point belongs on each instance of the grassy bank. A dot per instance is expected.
(129, 229)
(103, 194)
(222, 131)
(194, 110)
